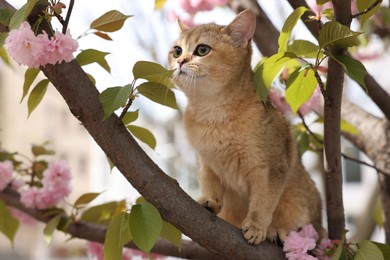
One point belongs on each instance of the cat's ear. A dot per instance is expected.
(182, 26)
(242, 28)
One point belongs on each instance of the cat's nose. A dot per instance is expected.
(181, 61)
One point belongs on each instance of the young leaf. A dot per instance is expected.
(21, 15)
(84, 199)
(269, 70)
(368, 250)
(117, 235)
(337, 35)
(110, 22)
(153, 72)
(303, 48)
(347, 127)
(300, 87)
(288, 26)
(8, 224)
(172, 234)
(354, 68)
(362, 5)
(159, 4)
(103, 36)
(101, 214)
(130, 117)
(143, 135)
(41, 150)
(91, 55)
(4, 56)
(36, 95)
(114, 98)
(385, 249)
(50, 227)
(158, 93)
(378, 214)
(145, 225)
(29, 76)
(5, 16)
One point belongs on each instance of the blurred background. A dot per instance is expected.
(148, 35)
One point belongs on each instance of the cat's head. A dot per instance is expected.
(209, 57)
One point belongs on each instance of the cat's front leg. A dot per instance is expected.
(264, 195)
(211, 189)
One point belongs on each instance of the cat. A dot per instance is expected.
(249, 169)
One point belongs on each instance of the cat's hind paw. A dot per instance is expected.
(276, 235)
(210, 204)
(253, 232)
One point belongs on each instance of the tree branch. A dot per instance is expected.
(97, 233)
(377, 2)
(163, 192)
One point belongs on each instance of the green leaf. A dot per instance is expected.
(114, 98)
(145, 225)
(102, 214)
(8, 224)
(339, 250)
(378, 213)
(21, 15)
(269, 70)
(362, 5)
(158, 93)
(86, 198)
(50, 227)
(288, 26)
(130, 117)
(171, 233)
(110, 163)
(36, 95)
(38, 150)
(368, 250)
(153, 72)
(337, 35)
(4, 56)
(385, 249)
(143, 135)
(109, 22)
(348, 128)
(158, 4)
(29, 76)
(5, 16)
(3, 37)
(354, 68)
(303, 48)
(300, 87)
(91, 55)
(117, 235)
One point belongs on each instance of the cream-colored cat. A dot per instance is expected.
(250, 172)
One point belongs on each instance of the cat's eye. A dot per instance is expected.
(202, 50)
(177, 51)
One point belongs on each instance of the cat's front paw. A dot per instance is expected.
(253, 232)
(276, 235)
(210, 204)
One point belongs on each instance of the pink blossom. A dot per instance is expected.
(297, 244)
(325, 245)
(95, 250)
(28, 198)
(23, 46)
(193, 6)
(23, 217)
(16, 184)
(187, 20)
(26, 48)
(6, 169)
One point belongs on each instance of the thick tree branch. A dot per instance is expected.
(97, 233)
(162, 191)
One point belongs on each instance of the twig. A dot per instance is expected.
(342, 154)
(124, 111)
(377, 2)
(66, 22)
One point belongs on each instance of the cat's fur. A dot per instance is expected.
(250, 172)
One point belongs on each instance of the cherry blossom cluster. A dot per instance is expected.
(191, 7)
(38, 50)
(96, 250)
(303, 245)
(55, 187)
